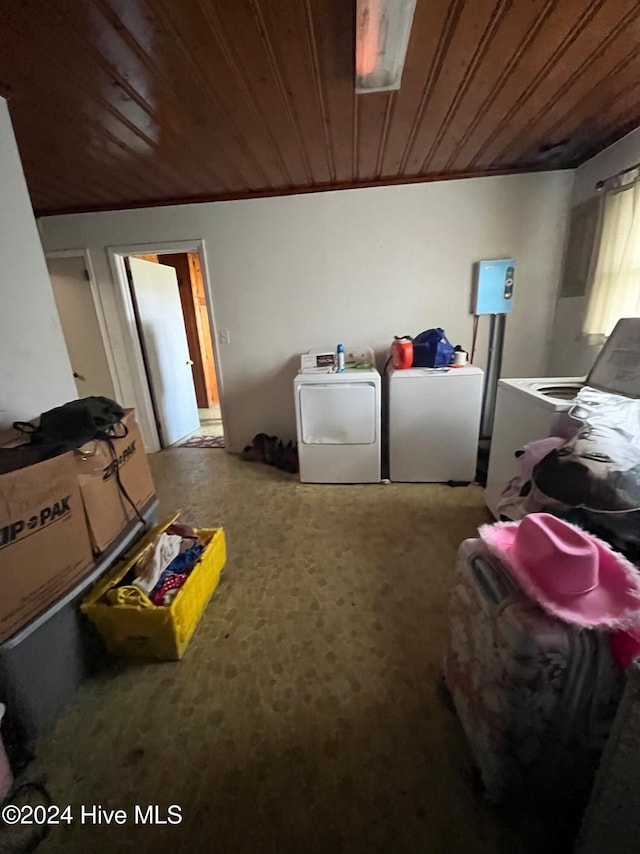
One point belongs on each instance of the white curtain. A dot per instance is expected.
(615, 289)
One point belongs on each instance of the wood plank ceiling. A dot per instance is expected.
(122, 103)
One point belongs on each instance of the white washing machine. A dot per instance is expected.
(529, 409)
(434, 423)
(526, 410)
(338, 426)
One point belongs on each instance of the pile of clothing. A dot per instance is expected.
(156, 579)
(591, 479)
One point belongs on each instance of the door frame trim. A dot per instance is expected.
(144, 405)
(85, 255)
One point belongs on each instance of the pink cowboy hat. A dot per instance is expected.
(570, 573)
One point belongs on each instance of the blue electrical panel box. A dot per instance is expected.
(493, 286)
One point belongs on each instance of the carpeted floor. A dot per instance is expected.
(307, 714)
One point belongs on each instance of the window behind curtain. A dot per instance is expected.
(615, 290)
(583, 233)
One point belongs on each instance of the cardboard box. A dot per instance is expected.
(108, 511)
(44, 543)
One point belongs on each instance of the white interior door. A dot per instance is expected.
(80, 327)
(165, 347)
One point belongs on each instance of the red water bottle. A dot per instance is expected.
(402, 352)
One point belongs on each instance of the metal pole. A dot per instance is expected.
(494, 366)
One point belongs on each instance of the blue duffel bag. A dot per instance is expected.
(432, 349)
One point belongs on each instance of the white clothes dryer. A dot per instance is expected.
(338, 425)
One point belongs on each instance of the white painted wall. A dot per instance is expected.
(80, 327)
(358, 266)
(35, 373)
(570, 354)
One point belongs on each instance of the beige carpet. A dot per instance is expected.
(306, 715)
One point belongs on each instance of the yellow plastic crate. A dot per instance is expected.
(162, 632)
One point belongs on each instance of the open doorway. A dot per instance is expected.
(155, 342)
(168, 297)
(195, 314)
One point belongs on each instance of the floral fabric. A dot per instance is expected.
(535, 696)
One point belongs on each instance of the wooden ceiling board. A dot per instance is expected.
(371, 116)
(334, 34)
(81, 113)
(581, 98)
(196, 84)
(135, 95)
(258, 113)
(101, 162)
(512, 34)
(264, 77)
(553, 33)
(475, 28)
(90, 83)
(289, 31)
(124, 103)
(619, 113)
(609, 25)
(433, 25)
(141, 78)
